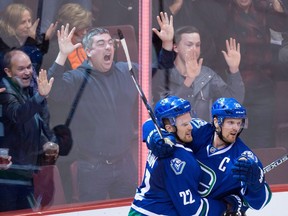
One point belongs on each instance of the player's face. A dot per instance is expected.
(102, 52)
(184, 127)
(230, 128)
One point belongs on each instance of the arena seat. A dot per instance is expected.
(278, 175)
(48, 187)
(281, 117)
(74, 176)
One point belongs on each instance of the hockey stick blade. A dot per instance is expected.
(275, 164)
(142, 95)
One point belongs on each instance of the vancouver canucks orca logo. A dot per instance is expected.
(177, 165)
(208, 180)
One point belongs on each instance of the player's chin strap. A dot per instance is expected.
(176, 135)
(219, 134)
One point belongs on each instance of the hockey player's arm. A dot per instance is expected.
(159, 147)
(255, 190)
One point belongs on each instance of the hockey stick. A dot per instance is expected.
(275, 164)
(143, 97)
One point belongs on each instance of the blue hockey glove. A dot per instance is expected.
(245, 169)
(161, 147)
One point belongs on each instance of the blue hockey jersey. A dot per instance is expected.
(170, 187)
(217, 181)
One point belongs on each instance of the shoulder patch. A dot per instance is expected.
(249, 154)
(177, 165)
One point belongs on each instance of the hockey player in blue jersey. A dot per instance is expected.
(228, 165)
(170, 185)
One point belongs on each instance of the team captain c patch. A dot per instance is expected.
(177, 165)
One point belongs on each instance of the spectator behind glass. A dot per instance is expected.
(198, 84)
(78, 17)
(18, 31)
(107, 112)
(24, 130)
(250, 25)
(207, 16)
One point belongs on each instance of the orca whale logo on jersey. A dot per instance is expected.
(177, 165)
(208, 180)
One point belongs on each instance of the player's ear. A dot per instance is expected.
(170, 128)
(215, 121)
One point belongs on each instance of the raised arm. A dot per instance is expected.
(166, 32)
(65, 44)
(44, 85)
(50, 31)
(232, 55)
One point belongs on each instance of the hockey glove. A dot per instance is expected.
(161, 147)
(245, 169)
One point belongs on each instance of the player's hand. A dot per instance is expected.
(234, 214)
(234, 204)
(161, 147)
(245, 169)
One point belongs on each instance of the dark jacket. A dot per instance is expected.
(105, 121)
(34, 48)
(22, 117)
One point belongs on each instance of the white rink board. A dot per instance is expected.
(277, 206)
